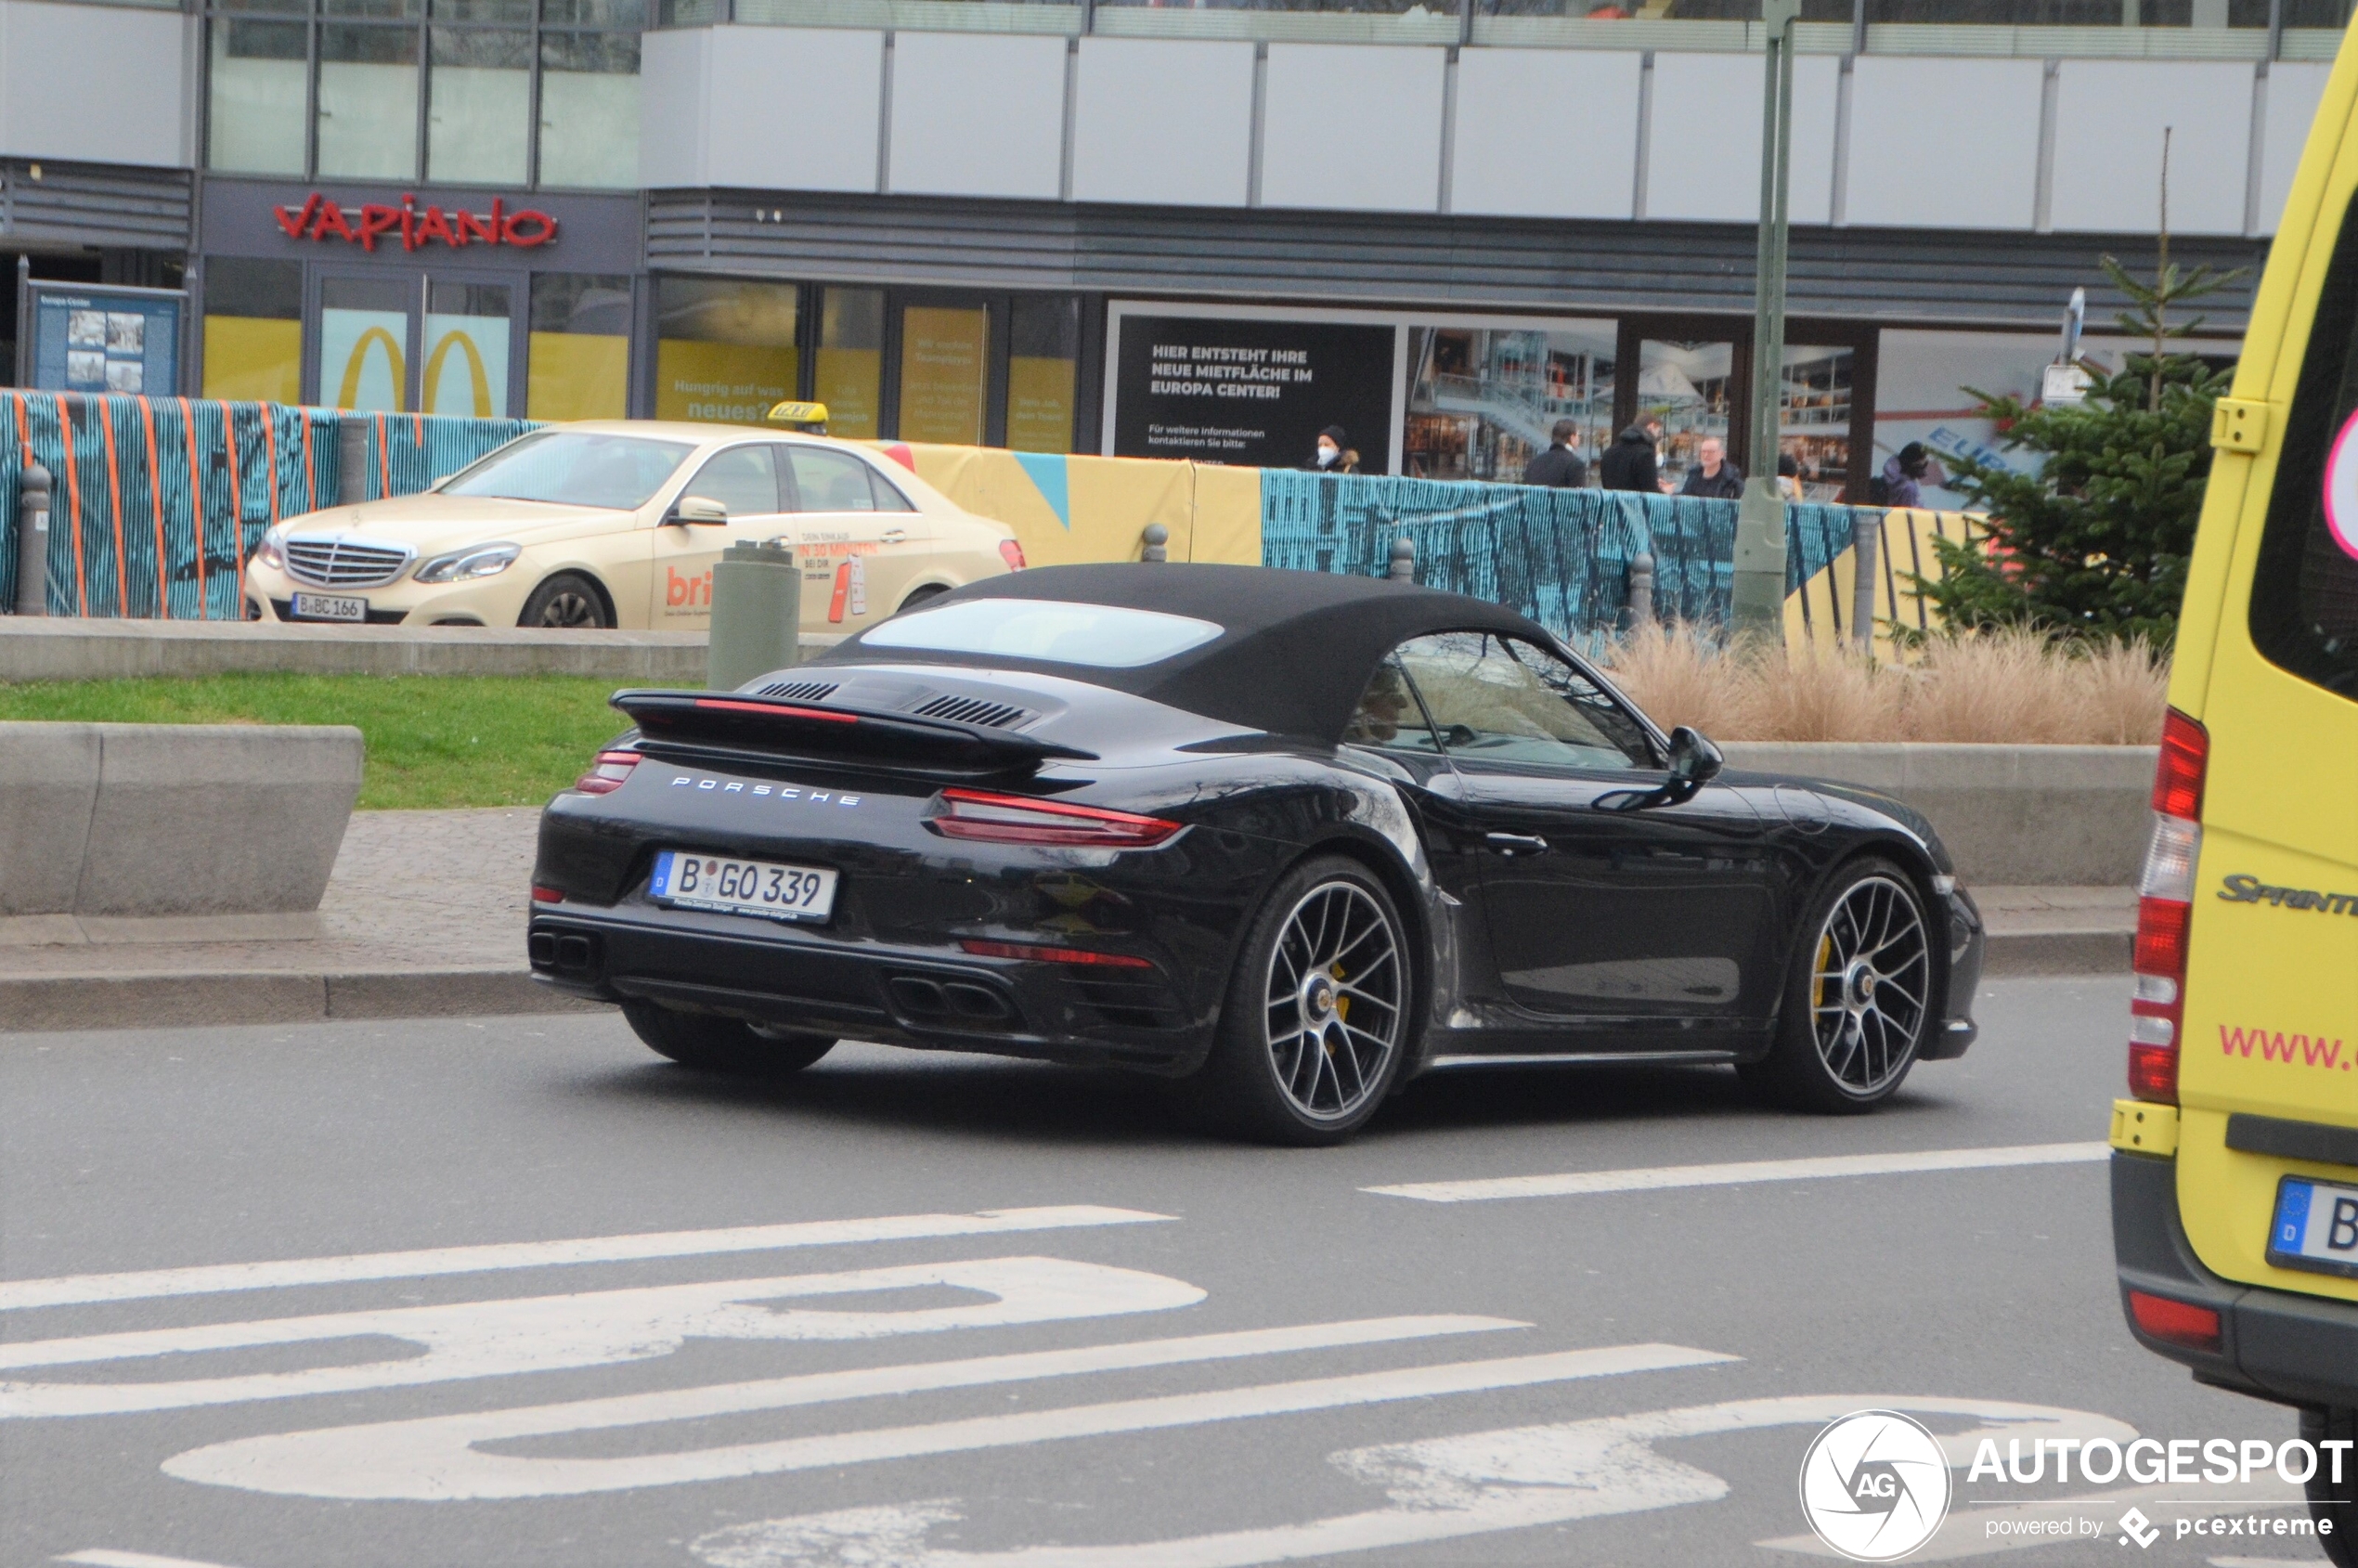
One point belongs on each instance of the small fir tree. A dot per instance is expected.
(2095, 543)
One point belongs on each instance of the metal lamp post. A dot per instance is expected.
(1760, 518)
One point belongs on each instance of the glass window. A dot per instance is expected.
(945, 351)
(518, 11)
(479, 106)
(253, 330)
(364, 343)
(852, 360)
(368, 102)
(1813, 414)
(2304, 592)
(887, 494)
(1499, 699)
(1686, 385)
(594, 13)
(383, 10)
(467, 349)
(1099, 636)
(589, 110)
(579, 358)
(724, 349)
(574, 468)
(1483, 402)
(1043, 355)
(257, 97)
(1388, 715)
(826, 481)
(744, 479)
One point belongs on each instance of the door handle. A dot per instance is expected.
(895, 535)
(1513, 844)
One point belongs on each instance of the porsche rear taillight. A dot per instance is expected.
(607, 773)
(1019, 819)
(2165, 904)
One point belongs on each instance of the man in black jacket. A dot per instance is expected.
(1559, 468)
(1629, 464)
(1713, 474)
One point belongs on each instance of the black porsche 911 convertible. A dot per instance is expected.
(1281, 838)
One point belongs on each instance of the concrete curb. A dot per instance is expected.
(164, 999)
(61, 648)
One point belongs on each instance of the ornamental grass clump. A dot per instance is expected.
(2005, 686)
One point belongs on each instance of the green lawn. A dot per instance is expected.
(433, 740)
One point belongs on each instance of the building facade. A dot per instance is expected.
(1148, 229)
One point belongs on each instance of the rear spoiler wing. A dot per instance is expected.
(711, 725)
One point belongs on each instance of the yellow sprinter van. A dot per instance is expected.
(2234, 1171)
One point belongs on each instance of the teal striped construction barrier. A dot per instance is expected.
(1561, 557)
(156, 502)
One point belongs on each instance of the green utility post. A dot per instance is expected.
(1760, 517)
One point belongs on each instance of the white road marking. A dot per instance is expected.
(491, 1339)
(439, 1458)
(100, 1557)
(1965, 1532)
(1745, 1172)
(1440, 1489)
(209, 1279)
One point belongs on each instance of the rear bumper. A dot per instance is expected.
(924, 997)
(2275, 1344)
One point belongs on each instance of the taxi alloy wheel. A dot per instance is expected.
(566, 602)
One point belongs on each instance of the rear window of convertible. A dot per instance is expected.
(1097, 636)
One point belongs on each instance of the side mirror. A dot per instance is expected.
(698, 510)
(1694, 761)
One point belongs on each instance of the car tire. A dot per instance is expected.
(1858, 998)
(714, 1045)
(2340, 1544)
(567, 602)
(1287, 1065)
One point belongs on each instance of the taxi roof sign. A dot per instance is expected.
(798, 413)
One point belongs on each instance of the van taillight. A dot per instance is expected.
(607, 773)
(2165, 903)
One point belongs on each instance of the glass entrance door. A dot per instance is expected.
(366, 340)
(945, 372)
(468, 341)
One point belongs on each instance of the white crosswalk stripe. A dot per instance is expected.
(1657, 1178)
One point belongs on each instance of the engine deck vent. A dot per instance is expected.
(973, 710)
(799, 690)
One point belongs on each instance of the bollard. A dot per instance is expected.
(1158, 545)
(1641, 591)
(756, 612)
(1403, 568)
(1866, 533)
(33, 542)
(351, 459)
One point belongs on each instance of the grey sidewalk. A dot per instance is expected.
(425, 915)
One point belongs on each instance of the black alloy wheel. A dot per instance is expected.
(716, 1044)
(569, 601)
(1319, 1012)
(2329, 1504)
(1859, 999)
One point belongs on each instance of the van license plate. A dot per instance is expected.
(2316, 1228)
(772, 891)
(329, 607)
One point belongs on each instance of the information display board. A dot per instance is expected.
(1250, 391)
(100, 340)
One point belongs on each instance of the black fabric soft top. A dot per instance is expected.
(1296, 651)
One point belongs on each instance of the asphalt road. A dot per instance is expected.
(1054, 1329)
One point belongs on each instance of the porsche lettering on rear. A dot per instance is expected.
(779, 792)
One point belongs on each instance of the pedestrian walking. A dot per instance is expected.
(1560, 467)
(1629, 464)
(1713, 475)
(1907, 472)
(1333, 454)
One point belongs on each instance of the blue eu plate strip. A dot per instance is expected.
(660, 885)
(2292, 1215)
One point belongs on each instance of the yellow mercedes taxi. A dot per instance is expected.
(617, 524)
(2234, 1171)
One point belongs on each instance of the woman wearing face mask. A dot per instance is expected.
(1333, 456)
